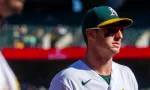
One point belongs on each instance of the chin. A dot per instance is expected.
(115, 50)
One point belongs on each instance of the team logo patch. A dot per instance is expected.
(113, 12)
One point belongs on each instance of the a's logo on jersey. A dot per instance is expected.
(85, 82)
(113, 12)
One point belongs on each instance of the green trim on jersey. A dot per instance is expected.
(106, 78)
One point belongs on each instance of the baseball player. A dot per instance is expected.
(102, 30)
(8, 80)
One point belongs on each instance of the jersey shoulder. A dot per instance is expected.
(123, 68)
(126, 73)
(72, 71)
(65, 78)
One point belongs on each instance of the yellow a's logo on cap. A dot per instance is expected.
(113, 12)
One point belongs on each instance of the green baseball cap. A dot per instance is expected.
(102, 16)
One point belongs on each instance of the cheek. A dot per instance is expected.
(100, 42)
(109, 41)
(105, 42)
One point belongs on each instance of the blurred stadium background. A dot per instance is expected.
(46, 37)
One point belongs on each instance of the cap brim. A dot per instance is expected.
(123, 21)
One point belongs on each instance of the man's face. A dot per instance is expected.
(15, 6)
(108, 40)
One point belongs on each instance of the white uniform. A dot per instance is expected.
(80, 77)
(8, 80)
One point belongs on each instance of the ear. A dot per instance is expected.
(90, 34)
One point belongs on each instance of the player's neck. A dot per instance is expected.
(102, 65)
(105, 68)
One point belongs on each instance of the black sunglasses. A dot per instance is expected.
(112, 30)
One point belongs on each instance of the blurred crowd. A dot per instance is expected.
(62, 36)
(46, 37)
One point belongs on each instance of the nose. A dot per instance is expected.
(119, 34)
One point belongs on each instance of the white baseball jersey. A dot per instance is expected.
(80, 77)
(8, 80)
